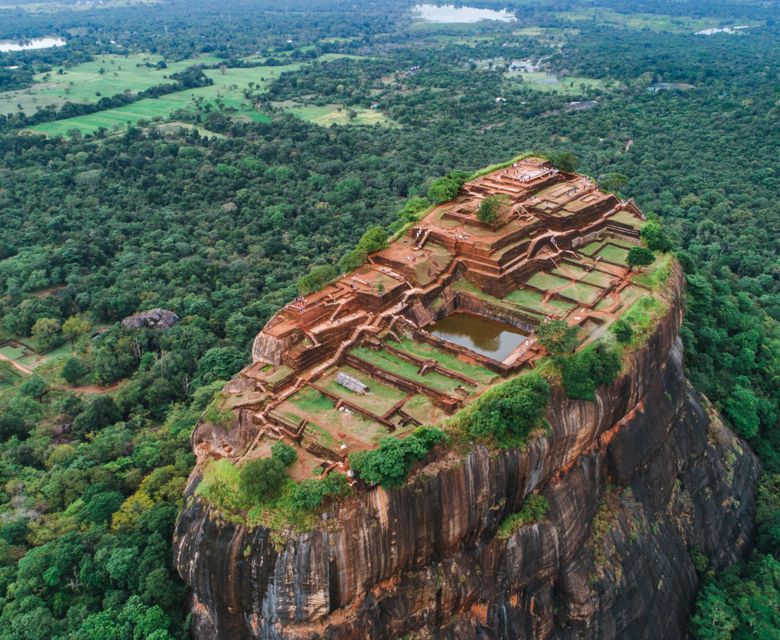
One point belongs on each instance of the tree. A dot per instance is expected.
(389, 464)
(47, 332)
(34, 387)
(557, 337)
(655, 237)
(73, 371)
(583, 372)
(74, 327)
(742, 410)
(640, 257)
(99, 413)
(443, 189)
(509, 412)
(375, 239)
(622, 330)
(613, 182)
(284, 453)
(489, 208)
(316, 278)
(261, 480)
(565, 161)
(219, 363)
(310, 494)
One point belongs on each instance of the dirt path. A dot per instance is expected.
(16, 365)
(95, 388)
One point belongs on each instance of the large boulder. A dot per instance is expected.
(152, 319)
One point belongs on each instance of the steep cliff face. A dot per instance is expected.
(638, 481)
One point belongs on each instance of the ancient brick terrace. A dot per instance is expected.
(335, 371)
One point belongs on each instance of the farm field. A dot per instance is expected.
(569, 85)
(641, 21)
(227, 92)
(86, 83)
(336, 114)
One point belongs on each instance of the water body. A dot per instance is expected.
(482, 335)
(25, 45)
(450, 14)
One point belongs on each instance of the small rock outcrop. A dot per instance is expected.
(152, 319)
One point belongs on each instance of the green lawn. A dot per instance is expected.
(591, 248)
(393, 364)
(423, 410)
(310, 400)
(34, 359)
(626, 218)
(655, 275)
(532, 299)
(598, 278)
(613, 254)
(546, 281)
(507, 303)
(447, 360)
(581, 292)
(381, 397)
(12, 353)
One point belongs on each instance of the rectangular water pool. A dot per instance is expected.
(482, 335)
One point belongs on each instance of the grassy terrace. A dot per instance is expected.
(447, 360)
(381, 399)
(318, 410)
(613, 254)
(581, 292)
(626, 298)
(546, 281)
(393, 364)
(547, 82)
(511, 302)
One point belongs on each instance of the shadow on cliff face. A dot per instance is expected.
(637, 482)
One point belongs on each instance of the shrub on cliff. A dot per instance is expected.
(655, 237)
(316, 278)
(507, 413)
(534, 509)
(389, 464)
(557, 337)
(622, 330)
(375, 239)
(309, 495)
(447, 187)
(410, 212)
(583, 372)
(262, 480)
(640, 257)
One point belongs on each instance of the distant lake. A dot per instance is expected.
(34, 43)
(450, 14)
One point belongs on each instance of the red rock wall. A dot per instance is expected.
(645, 465)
